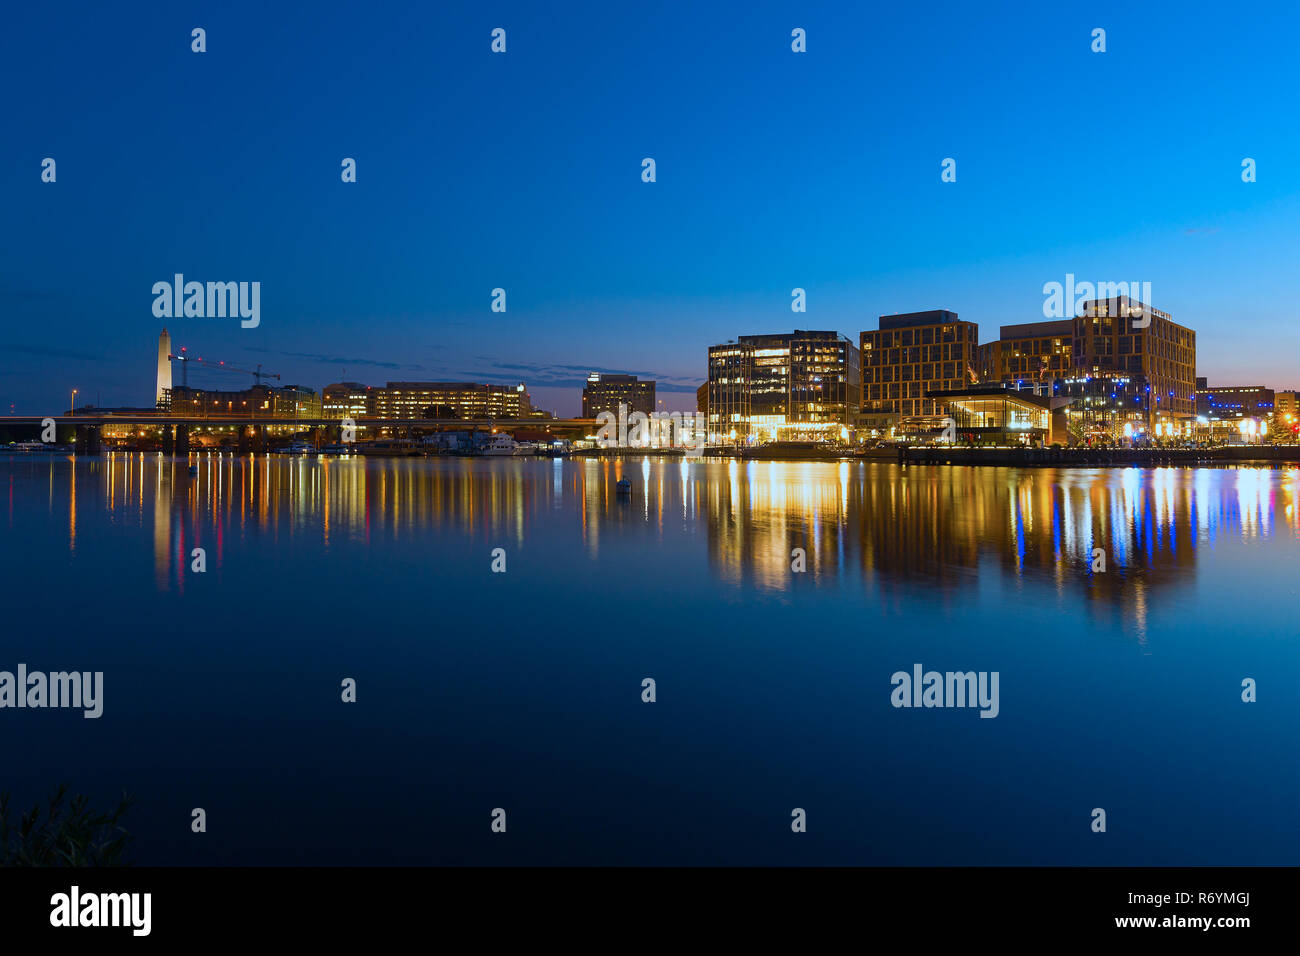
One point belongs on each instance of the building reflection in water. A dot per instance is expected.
(897, 529)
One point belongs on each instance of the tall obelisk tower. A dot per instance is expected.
(164, 364)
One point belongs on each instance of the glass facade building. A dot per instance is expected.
(795, 386)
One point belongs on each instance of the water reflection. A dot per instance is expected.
(891, 528)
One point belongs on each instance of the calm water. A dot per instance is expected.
(522, 690)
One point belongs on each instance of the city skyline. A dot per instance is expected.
(775, 171)
(212, 375)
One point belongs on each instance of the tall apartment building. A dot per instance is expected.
(915, 353)
(604, 393)
(1148, 372)
(1029, 357)
(797, 385)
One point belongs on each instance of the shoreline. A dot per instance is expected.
(920, 455)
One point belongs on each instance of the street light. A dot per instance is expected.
(74, 402)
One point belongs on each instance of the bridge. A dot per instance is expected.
(252, 429)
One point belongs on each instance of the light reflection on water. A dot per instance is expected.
(529, 682)
(876, 522)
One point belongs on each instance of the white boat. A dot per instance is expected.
(502, 444)
(25, 447)
(298, 448)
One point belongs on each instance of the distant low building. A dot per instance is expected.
(1234, 401)
(345, 400)
(448, 400)
(259, 401)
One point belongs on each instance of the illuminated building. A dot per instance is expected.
(1150, 371)
(793, 386)
(605, 393)
(1233, 401)
(1030, 356)
(447, 400)
(1109, 404)
(915, 353)
(345, 400)
(259, 401)
(164, 382)
(996, 415)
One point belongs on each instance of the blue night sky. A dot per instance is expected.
(775, 170)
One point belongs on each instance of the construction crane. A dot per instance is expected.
(185, 361)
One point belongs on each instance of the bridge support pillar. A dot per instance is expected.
(243, 442)
(182, 440)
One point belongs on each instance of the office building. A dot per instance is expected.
(915, 353)
(1147, 372)
(605, 393)
(259, 401)
(1031, 356)
(345, 400)
(794, 386)
(1233, 401)
(448, 400)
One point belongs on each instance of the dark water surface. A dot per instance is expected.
(522, 690)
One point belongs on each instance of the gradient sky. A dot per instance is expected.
(775, 170)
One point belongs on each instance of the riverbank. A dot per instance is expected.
(1025, 457)
(1098, 457)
